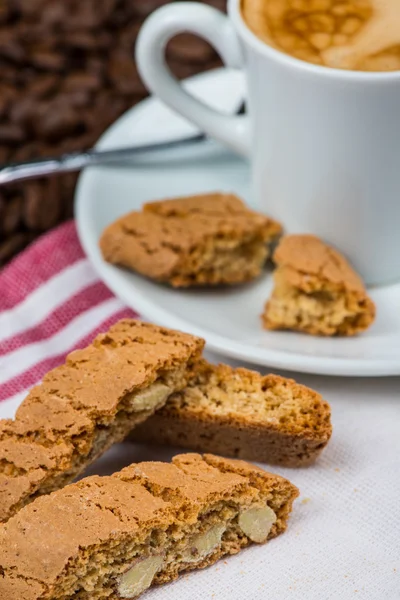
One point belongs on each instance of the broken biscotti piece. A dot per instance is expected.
(200, 240)
(113, 537)
(88, 404)
(316, 291)
(242, 414)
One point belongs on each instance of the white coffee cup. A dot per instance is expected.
(324, 144)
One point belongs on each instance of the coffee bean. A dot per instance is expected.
(128, 36)
(31, 8)
(106, 9)
(86, 15)
(11, 134)
(190, 48)
(4, 104)
(78, 143)
(7, 92)
(124, 75)
(22, 113)
(143, 8)
(96, 66)
(5, 155)
(42, 86)
(25, 76)
(82, 82)
(32, 34)
(12, 51)
(42, 204)
(12, 215)
(47, 61)
(81, 40)
(218, 4)
(28, 151)
(184, 70)
(33, 194)
(78, 98)
(9, 74)
(5, 13)
(2, 209)
(107, 106)
(55, 14)
(67, 195)
(57, 120)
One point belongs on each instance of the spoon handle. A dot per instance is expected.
(76, 161)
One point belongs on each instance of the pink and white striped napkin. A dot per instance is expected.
(51, 302)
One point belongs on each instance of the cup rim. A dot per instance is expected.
(289, 61)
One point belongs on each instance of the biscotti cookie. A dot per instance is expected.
(88, 404)
(200, 240)
(316, 291)
(242, 414)
(114, 537)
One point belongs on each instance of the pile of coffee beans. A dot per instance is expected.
(66, 73)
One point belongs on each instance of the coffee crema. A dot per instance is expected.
(359, 35)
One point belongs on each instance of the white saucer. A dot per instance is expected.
(227, 319)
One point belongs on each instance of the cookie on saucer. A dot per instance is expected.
(196, 241)
(316, 291)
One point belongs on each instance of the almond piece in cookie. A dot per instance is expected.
(242, 414)
(316, 291)
(114, 537)
(201, 240)
(86, 405)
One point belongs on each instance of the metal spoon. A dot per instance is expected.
(76, 161)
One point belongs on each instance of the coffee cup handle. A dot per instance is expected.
(213, 26)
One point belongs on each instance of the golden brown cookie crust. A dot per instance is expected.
(307, 254)
(316, 290)
(84, 406)
(199, 240)
(240, 413)
(93, 528)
